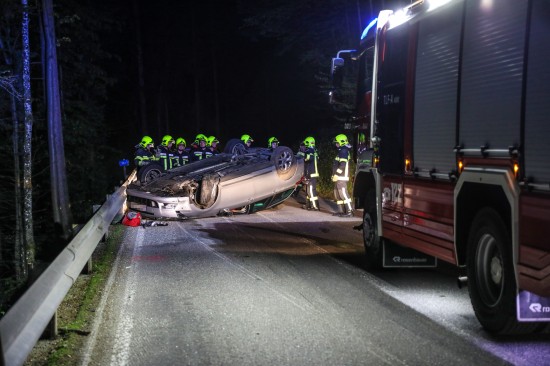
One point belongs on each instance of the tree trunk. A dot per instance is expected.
(28, 222)
(60, 197)
(19, 255)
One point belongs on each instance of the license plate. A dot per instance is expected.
(137, 206)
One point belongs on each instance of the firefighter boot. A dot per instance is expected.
(314, 206)
(347, 211)
(340, 211)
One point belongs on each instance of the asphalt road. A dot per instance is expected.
(283, 287)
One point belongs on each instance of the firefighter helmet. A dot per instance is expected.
(246, 139)
(272, 140)
(181, 141)
(212, 139)
(201, 137)
(309, 141)
(146, 141)
(341, 139)
(167, 139)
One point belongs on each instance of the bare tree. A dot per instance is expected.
(59, 190)
(9, 83)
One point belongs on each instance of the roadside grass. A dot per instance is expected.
(77, 311)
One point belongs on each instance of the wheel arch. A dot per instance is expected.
(363, 182)
(477, 189)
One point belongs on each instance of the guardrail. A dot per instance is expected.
(27, 319)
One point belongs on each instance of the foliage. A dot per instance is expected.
(88, 68)
(85, 79)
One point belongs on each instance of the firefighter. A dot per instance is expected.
(166, 152)
(145, 152)
(272, 143)
(182, 152)
(340, 176)
(200, 150)
(212, 144)
(302, 150)
(247, 140)
(301, 153)
(311, 174)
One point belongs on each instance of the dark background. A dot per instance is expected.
(233, 67)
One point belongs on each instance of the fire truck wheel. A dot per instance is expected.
(371, 240)
(491, 281)
(149, 172)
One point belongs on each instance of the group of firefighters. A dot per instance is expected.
(173, 153)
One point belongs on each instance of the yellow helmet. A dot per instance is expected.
(341, 139)
(272, 140)
(246, 139)
(201, 137)
(309, 141)
(212, 139)
(146, 141)
(166, 140)
(180, 141)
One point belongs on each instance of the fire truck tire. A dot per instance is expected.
(285, 162)
(371, 240)
(149, 172)
(491, 281)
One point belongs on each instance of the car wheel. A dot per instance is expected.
(208, 191)
(491, 282)
(149, 172)
(235, 147)
(371, 240)
(285, 162)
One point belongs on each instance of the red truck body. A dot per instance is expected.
(456, 102)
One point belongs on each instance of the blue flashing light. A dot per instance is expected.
(371, 24)
(123, 162)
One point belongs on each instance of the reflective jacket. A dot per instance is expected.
(182, 157)
(166, 157)
(200, 153)
(144, 156)
(310, 159)
(340, 167)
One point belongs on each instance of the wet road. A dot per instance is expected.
(283, 287)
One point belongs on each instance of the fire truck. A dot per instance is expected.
(454, 98)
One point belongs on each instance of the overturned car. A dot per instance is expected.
(237, 180)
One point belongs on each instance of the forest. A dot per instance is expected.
(82, 81)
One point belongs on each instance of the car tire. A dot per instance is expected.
(285, 162)
(235, 147)
(208, 191)
(149, 172)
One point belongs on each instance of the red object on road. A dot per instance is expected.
(132, 219)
